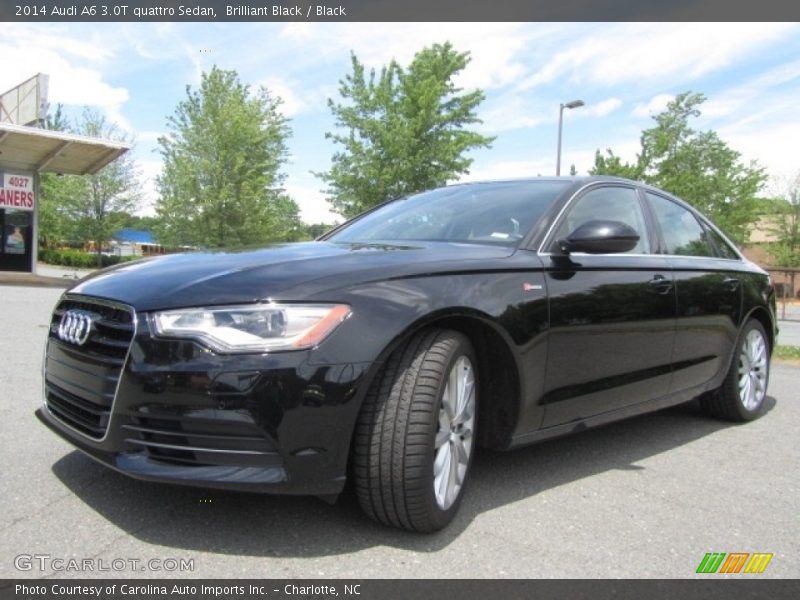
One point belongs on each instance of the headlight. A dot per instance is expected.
(253, 327)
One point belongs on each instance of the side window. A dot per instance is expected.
(683, 234)
(609, 203)
(722, 247)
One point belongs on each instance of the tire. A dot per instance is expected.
(741, 395)
(396, 442)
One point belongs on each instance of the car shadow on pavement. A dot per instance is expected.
(287, 526)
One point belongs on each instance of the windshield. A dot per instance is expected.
(484, 213)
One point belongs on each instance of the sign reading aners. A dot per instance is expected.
(16, 191)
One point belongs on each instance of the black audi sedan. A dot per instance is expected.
(484, 314)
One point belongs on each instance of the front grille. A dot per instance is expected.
(81, 380)
(87, 417)
(184, 440)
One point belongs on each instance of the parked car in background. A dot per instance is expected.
(478, 315)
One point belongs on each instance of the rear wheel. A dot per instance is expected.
(415, 434)
(741, 395)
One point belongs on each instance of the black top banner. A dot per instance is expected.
(399, 10)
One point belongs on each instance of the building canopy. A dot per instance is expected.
(32, 149)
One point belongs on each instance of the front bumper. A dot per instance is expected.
(182, 414)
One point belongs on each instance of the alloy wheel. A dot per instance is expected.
(454, 435)
(753, 370)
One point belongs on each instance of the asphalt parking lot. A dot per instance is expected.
(647, 497)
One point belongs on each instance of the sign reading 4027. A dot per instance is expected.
(16, 191)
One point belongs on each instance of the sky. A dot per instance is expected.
(136, 73)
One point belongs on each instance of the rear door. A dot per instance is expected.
(709, 293)
(612, 316)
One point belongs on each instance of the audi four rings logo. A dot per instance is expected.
(76, 326)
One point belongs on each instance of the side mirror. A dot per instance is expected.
(600, 237)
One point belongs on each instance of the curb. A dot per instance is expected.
(28, 279)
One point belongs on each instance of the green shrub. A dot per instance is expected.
(79, 259)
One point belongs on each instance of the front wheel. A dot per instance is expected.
(415, 434)
(741, 395)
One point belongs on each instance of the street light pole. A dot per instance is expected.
(561, 107)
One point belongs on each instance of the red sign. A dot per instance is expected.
(16, 191)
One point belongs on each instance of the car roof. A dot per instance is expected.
(565, 178)
(575, 178)
(579, 181)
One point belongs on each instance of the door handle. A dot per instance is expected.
(730, 283)
(661, 284)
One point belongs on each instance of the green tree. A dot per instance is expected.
(696, 166)
(221, 181)
(315, 230)
(611, 164)
(92, 204)
(286, 214)
(401, 131)
(784, 224)
(139, 222)
(55, 192)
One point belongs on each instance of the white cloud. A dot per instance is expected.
(148, 169)
(656, 104)
(513, 112)
(516, 111)
(757, 92)
(89, 47)
(495, 47)
(688, 49)
(600, 109)
(69, 84)
(158, 45)
(561, 64)
(148, 138)
(297, 31)
(297, 100)
(313, 206)
(75, 68)
(582, 158)
(292, 102)
(772, 144)
(525, 68)
(511, 169)
(619, 53)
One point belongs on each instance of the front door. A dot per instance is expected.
(612, 317)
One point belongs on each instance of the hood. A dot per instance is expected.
(289, 272)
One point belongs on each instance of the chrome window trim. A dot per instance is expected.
(646, 189)
(134, 320)
(734, 247)
(703, 220)
(568, 203)
(737, 261)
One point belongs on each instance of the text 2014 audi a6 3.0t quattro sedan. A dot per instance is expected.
(487, 314)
